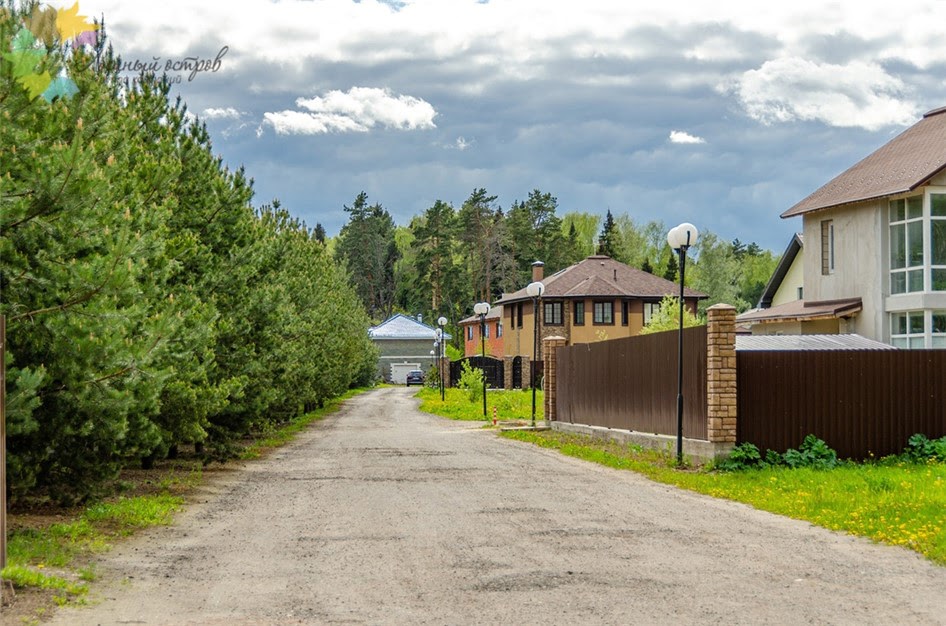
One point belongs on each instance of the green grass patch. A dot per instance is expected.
(23, 576)
(511, 404)
(892, 502)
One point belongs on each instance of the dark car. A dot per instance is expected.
(415, 377)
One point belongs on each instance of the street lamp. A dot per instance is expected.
(481, 309)
(441, 322)
(534, 291)
(680, 239)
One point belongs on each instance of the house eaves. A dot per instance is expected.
(781, 270)
(901, 165)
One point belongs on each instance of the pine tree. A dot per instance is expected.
(607, 238)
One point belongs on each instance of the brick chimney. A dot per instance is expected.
(538, 271)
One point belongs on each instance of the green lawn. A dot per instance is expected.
(893, 502)
(509, 404)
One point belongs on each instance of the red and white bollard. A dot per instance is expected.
(494, 416)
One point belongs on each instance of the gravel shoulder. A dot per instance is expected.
(384, 514)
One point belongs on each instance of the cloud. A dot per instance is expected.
(855, 94)
(358, 110)
(679, 136)
(228, 113)
(462, 144)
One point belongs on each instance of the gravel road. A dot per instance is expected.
(382, 514)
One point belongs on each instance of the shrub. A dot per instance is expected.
(744, 456)
(812, 452)
(471, 379)
(921, 449)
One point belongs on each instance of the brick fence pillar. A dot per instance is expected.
(721, 373)
(507, 372)
(550, 361)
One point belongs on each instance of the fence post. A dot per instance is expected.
(550, 366)
(721, 414)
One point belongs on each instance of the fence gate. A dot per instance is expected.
(517, 373)
(494, 369)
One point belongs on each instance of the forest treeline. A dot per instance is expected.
(446, 259)
(148, 303)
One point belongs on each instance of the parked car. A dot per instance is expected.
(415, 377)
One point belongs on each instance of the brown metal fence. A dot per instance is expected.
(632, 383)
(859, 402)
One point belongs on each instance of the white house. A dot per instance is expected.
(874, 251)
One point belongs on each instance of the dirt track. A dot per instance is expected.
(382, 514)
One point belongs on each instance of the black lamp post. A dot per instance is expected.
(535, 291)
(680, 239)
(481, 309)
(441, 322)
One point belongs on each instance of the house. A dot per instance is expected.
(782, 309)
(875, 247)
(594, 300)
(405, 343)
(472, 339)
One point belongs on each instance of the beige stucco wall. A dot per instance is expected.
(859, 252)
(794, 278)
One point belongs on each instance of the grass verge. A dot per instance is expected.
(892, 502)
(510, 404)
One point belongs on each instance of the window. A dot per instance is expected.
(553, 313)
(485, 328)
(650, 309)
(603, 312)
(578, 314)
(519, 314)
(938, 241)
(906, 245)
(499, 329)
(801, 293)
(469, 332)
(624, 306)
(827, 247)
(909, 329)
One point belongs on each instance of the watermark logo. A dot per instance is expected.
(192, 65)
(45, 28)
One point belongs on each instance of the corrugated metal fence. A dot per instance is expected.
(859, 402)
(632, 383)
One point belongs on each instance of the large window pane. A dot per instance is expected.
(939, 280)
(898, 251)
(914, 207)
(939, 321)
(897, 212)
(939, 342)
(898, 324)
(938, 204)
(917, 343)
(914, 243)
(898, 282)
(938, 241)
(917, 323)
(915, 280)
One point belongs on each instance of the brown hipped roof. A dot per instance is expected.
(904, 163)
(602, 276)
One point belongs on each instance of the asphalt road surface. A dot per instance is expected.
(382, 514)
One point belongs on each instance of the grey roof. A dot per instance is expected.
(400, 326)
(902, 164)
(808, 342)
(602, 276)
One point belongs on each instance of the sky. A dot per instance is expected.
(723, 114)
